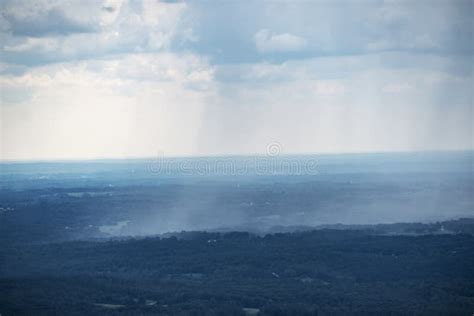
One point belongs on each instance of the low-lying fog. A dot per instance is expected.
(122, 198)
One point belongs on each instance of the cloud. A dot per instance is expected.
(152, 68)
(39, 18)
(127, 78)
(438, 27)
(397, 88)
(34, 44)
(340, 104)
(442, 27)
(329, 87)
(137, 104)
(110, 12)
(32, 36)
(131, 105)
(267, 42)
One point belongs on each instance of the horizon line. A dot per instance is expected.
(111, 159)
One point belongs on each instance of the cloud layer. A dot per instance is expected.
(88, 79)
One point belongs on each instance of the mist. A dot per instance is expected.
(142, 197)
(261, 193)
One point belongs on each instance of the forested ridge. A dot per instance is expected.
(323, 272)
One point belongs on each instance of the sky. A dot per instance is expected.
(116, 79)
